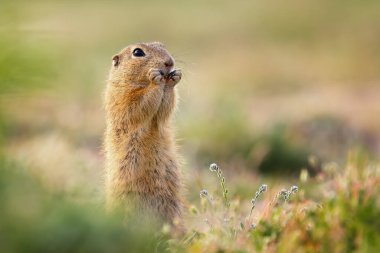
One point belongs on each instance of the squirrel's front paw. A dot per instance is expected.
(156, 76)
(174, 77)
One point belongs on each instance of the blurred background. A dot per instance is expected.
(269, 87)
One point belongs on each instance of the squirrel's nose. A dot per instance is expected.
(169, 63)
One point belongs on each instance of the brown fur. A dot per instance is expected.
(141, 161)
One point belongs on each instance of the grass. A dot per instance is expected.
(341, 217)
(36, 219)
(337, 211)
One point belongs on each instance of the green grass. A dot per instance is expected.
(35, 219)
(334, 212)
(337, 211)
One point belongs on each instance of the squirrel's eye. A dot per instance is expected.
(138, 52)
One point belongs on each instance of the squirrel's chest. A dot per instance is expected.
(142, 149)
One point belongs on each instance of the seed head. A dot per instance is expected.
(283, 192)
(294, 189)
(203, 194)
(214, 167)
(263, 188)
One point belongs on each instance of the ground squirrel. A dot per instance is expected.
(141, 161)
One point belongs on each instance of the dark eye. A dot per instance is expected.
(138, 52)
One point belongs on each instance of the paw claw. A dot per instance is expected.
(174, 77)
(156, 76)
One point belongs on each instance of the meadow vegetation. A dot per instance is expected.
(336, 211)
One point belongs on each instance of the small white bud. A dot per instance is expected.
(203, 194)
(214, 167)
(294, 189)
(263, 188)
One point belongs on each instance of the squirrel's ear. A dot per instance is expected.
(115, 60)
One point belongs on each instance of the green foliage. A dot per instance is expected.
(228, 138)
(24, 65)
(33, 219)
(234, 142)
(343, 219)
(283, 156)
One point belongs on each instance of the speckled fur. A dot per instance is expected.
(141, 161)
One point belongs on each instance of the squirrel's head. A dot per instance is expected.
(133, 63)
